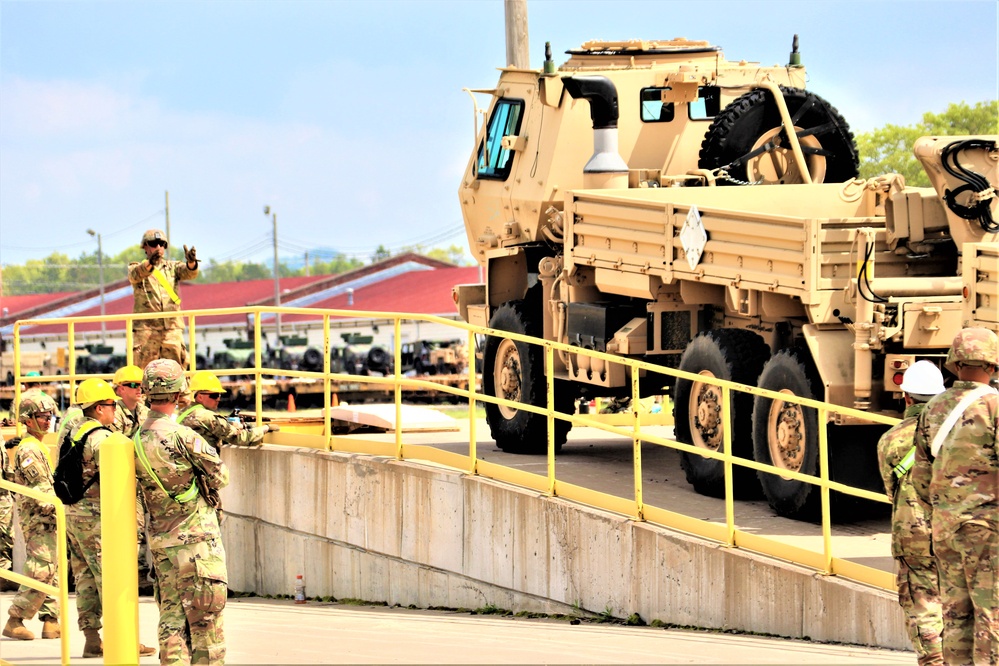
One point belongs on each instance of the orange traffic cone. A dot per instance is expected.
(335, 402)
(291, 402)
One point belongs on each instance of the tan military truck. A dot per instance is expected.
(628, 201)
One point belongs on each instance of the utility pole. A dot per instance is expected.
(168, 218)
(277, 282)
(306, 263)
(100, 269)
(518, 51)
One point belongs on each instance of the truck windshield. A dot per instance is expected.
(494, 161)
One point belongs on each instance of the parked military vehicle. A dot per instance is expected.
(659, 202)
(427, 357)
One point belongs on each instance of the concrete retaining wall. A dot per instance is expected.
(410, 534)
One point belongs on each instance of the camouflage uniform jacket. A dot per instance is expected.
(151, 296)
(30, 467)
(127, 421)
(176, 454)
(962, 482)
(910, 530)
(90, 505)
(71, 420)
(217, 430)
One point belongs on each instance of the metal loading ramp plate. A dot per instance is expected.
(367, 417)
(414, 418)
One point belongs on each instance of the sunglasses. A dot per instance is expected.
(156, 243)
(105, 404)
(131, 385)
(213, 396)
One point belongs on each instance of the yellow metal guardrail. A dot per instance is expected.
(62, 591)
(825, 562)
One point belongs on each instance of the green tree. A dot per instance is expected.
(381, 253)
(888, 149)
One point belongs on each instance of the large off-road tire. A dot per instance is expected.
(516, 371)
(734, 354)
(748, 140)
(786, 434)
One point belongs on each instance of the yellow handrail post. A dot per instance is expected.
(727, 448)
(637, 443)
(120, 582)
(63, 572)
(258, 394)
(397, 375)
(473, 449)
(824, 490)
(550, 401)
(129, 357)
(192, 357)
(327, 384)
(17, 377)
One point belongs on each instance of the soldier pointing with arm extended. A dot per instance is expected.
(956, 471)
(155, 283)
(203, 418)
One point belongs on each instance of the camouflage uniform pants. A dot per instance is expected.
(968, 561)
(919, 597)
(6, 530)
(85, 557)
(149, 344)
(40, 564)
(192, 588)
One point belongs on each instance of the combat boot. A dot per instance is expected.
(93, 647)
(145, 650)
(15, 629)
(50, 627)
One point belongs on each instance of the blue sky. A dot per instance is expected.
(348, 118)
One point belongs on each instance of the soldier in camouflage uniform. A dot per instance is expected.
(131, 409)
(911, 538)
(6, 523)
(154, 284)
(30, 467)
(183, 527)
(83, 519)
(956, 471)
(203, 418)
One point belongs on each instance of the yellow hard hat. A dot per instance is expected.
(203, 380)
(128, 373)
(93, 390)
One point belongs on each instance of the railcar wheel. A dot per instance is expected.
(748, 140)
(732, 354)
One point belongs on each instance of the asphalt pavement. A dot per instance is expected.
(267, 631)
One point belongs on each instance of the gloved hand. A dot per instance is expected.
(272, 428)
(191, 255)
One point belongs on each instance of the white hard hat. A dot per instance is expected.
(922, 378)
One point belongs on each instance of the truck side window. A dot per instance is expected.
(494, 161)
(654, 109)
(708, 103)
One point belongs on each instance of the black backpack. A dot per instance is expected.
(68, 478)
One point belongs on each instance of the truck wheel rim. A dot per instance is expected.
(705, 408)
(786, 434)
(507, 374)
(777, 164)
